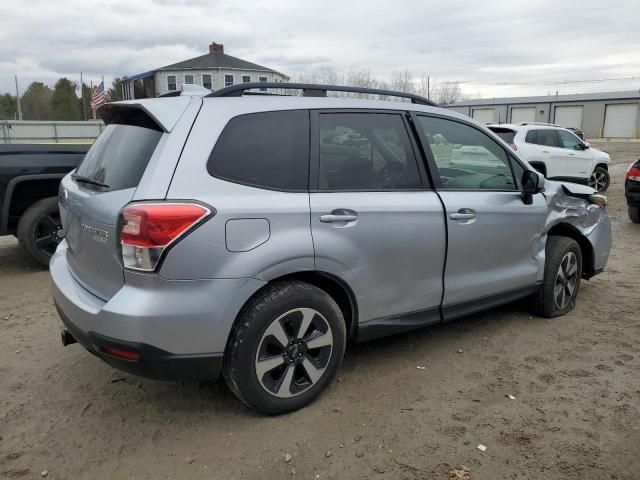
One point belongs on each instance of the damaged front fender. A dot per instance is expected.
(571, 214)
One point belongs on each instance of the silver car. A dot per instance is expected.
(257, 235)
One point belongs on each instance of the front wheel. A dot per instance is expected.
(599, 179)
(634, 214)
(285, 348)
(562, 274)
(40, 230)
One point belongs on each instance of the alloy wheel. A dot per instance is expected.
(48, 233)
(294, 352)
(598, 181)
(566, 280)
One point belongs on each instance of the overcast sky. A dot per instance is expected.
(490, 46)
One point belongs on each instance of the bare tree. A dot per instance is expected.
(447, 92)
(402, 81)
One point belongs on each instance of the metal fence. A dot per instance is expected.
(28, 131)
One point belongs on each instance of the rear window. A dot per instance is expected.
(120, 155)
(268, 150)
(504, 133)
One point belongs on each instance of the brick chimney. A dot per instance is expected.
(216, 48)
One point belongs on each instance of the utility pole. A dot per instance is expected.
(18, 98)
(428, 87)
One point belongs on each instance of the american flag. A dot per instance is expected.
(97, 96)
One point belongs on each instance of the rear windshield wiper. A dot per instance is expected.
(90, 181)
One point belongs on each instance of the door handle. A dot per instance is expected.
(572, 154)
(463, 214)
(338, 218)
(545, 151)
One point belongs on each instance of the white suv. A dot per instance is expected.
(558, 153)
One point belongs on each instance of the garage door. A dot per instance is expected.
(523, 114)
(483, 115)
(621, 120)
(569, 116)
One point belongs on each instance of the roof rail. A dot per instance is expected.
(540, 123)
(312, 90)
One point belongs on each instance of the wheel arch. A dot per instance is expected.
(586, 249)
(46, 185)
(335, 287)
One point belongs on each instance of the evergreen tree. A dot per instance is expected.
(114, 94)
(36, 102)
(85, 113)
(64, 102)
(8, 107)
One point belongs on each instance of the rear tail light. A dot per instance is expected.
(148, 229)
(633, 173)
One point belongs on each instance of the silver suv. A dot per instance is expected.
(258, 234)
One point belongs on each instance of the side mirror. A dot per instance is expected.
(531, 184)
(586, 145)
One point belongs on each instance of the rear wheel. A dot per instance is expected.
(562, 274)
(599, 179)
(40, 230)
(634, 214)
(285, 348)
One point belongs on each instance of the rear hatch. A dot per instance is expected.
(92, 197)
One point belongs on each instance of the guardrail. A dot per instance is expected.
(31, 131)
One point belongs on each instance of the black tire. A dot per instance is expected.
(557, 251)
(247, 336)
(634, 214)
(603, 174)
(39, 230)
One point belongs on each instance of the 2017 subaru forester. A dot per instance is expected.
(257, 234)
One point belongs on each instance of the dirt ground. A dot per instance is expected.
(576, 382)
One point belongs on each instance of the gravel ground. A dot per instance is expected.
(576, 382)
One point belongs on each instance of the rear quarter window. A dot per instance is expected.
(267, 150)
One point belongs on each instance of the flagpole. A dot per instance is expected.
(84, 108)
(93, 110)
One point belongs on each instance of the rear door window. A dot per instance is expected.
(120, 155)
(546, 137)
(366, 151)
(268, 150)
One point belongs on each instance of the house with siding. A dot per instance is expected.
(213, 70)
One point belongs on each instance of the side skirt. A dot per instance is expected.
(457, 310)
(383, 327)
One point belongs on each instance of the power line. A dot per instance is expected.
(554, 82)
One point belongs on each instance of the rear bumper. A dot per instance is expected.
(178, 328)
(153, 362)
(632, 192)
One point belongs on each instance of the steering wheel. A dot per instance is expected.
(392, 172)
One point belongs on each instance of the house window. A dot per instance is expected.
(171, 82)
(263, 79)
(206, 81)
(246, 79)
(188, 79)
(228, 80)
